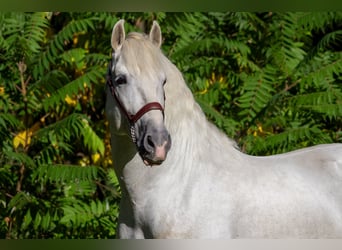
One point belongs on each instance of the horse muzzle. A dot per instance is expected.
(154, 147)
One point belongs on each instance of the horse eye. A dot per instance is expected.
(120, 80)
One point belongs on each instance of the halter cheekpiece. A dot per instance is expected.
(132, 118)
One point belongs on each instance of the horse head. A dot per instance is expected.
(136, 80)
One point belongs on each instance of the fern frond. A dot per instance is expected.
(93, 75)
(328, 102)
(75, 57)
(206, 45)
(245, 21)
(63, 173)
(20, 200)
(67, 33)
(13, 26)
(96, 59)
(315, 22)
(322, 69)
(79, 214)
(257, 92)
(47, 155)
(331, 111)
(286, 50)
(73, 125)
(12, 38)
(10, 24)
(44, 222)
(25, 32)
(107, 18)
(291, 139)
(35, 29)
(330, 39)
(56, 46)
(19, 158)
(49, 83)
(93, 142)
(319, 20)
(8, 120)
(314, 99)
(112, 180)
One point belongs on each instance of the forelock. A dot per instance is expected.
(140, 55)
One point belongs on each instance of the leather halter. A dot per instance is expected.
(132, 118)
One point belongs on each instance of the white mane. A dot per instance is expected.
(187, 123)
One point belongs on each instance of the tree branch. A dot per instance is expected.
(22, 68)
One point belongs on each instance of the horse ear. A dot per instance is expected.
(155, 34)
(118, 35)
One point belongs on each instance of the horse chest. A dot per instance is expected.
(188, 214)
(159, 218)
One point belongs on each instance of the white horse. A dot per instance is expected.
(202, 186)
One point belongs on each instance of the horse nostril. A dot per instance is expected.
(150, 142)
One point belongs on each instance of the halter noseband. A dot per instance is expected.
(132, 118)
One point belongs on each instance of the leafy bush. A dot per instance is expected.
(272, 81)
(53, 161)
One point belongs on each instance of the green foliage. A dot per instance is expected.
(272, 81)
(53, 159)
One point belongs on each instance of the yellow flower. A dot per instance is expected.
(2, 90)
(95, 157)
(22, 138)
(70, 101)
(260, 128)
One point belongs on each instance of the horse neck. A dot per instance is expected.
(191, 133)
